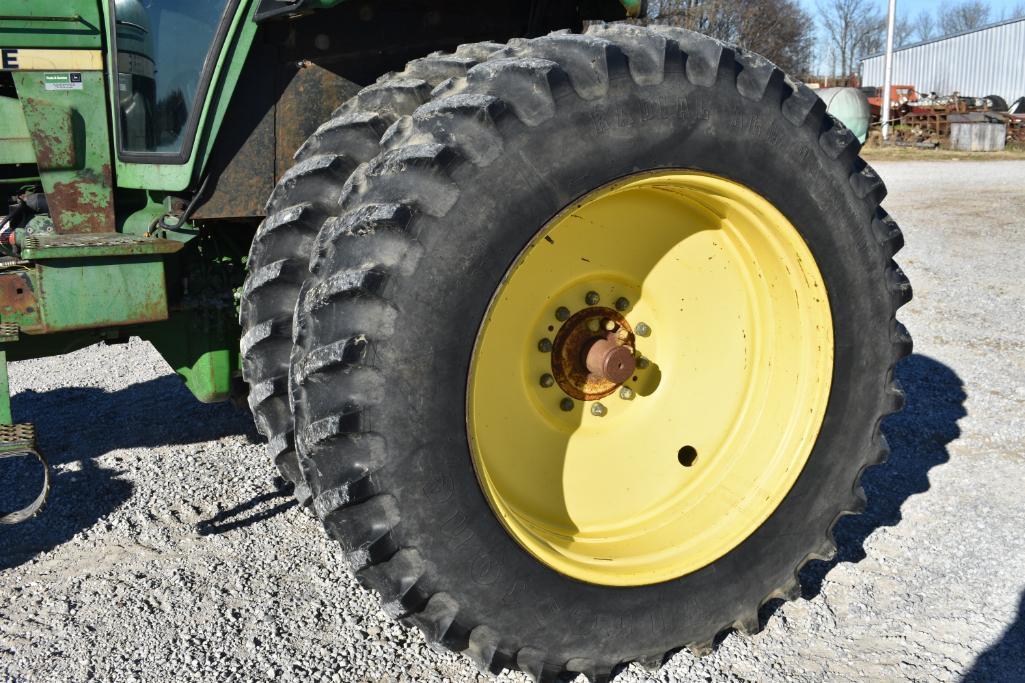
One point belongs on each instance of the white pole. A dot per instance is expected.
(888, 79)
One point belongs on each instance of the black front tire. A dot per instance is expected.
(401, 281)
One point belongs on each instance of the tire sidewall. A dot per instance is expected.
(501, 207)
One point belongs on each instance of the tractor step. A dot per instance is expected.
(20, 440)
(64, 282)
(93, 245)
(8, 333)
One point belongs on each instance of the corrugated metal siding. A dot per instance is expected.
(989, 61)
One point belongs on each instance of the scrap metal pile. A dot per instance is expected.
(926, 121)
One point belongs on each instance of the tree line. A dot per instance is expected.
(834, 38)
(853, 29)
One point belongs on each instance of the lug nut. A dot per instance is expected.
(547, 381)
(594, 324)
(566, 404)
(626, 393)
(598, 410)
(562, 314)
(642, 330)
(622, 303)
(643, 363)
(592, 298)
(545, 346)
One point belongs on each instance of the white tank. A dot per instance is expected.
(850, 106)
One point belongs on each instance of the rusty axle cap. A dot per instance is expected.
(593, 353)
(610, 361)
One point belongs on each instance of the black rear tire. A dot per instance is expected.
(305, 197)
(997, 103)
(385, 331)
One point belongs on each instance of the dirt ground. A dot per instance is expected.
(167, 553)
(874, 154)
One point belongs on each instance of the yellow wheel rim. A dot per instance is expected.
(725, 314)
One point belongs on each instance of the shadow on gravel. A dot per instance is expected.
(229, 520)
(918, 438)
(77, 425)
(1005, 659)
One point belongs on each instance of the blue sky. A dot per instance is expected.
(905, 9)
(913, 7)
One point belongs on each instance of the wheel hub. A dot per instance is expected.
(593, 353)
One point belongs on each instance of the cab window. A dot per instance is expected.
(164, 51)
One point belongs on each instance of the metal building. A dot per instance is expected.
(987, 61)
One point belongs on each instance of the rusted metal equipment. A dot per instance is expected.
(930, 121)
(902, 97)
(933, 121)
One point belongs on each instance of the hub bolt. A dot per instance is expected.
(545, 346)
(562, 314)
(622, 303)
(598, 410)
(626, 393)
(642, 329)
(547, 381)
(592, 298)
(566, 404)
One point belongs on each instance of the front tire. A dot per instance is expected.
(404, 280)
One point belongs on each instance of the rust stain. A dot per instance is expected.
(54, 143)
(83, 205)
(44, 146)
(572, 344)
(18, 298)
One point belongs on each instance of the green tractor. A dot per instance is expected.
(575, 335)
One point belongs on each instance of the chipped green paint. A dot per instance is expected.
(70, 137)
(52, 134)
(60, 295)
(102, 292)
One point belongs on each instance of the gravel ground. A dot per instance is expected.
(167, 553)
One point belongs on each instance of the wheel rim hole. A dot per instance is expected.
(687, 456)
